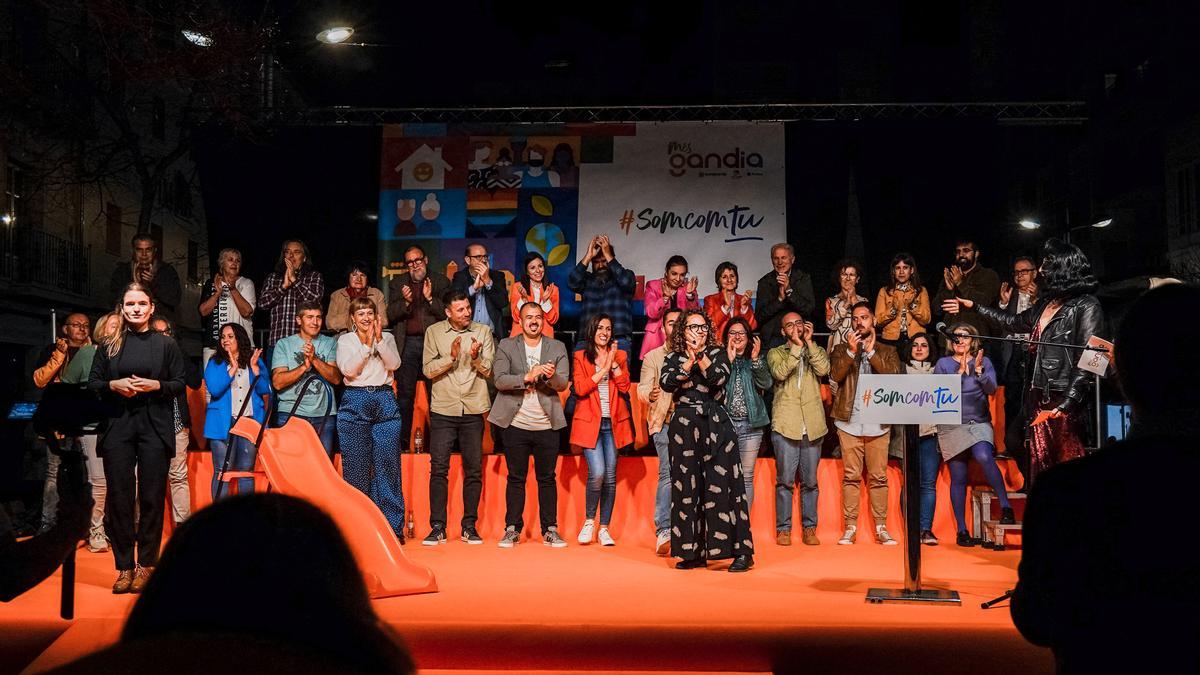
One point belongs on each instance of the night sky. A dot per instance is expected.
(919, 183)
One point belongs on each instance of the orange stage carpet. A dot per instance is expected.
(622, 608)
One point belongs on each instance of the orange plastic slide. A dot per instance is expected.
(296, 464)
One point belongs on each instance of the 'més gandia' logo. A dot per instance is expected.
(734, 161)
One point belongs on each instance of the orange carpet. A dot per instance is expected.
(622, 608)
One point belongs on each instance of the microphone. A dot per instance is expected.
(945, 332)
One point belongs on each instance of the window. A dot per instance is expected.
(15, 197)
(112, 228)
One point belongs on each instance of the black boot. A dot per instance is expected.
(1007, 517)
(966, 540)
(689, 564)
(742, 563)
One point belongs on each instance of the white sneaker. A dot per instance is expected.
(97, 543)
(849, 535)
(663, 545)
(589, 529)
(882, 536)
(606, 538)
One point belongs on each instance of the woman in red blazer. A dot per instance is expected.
(602, 420)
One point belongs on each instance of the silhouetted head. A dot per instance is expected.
(1152, 357)
(267, 567)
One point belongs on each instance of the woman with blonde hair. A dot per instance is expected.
(138, 372)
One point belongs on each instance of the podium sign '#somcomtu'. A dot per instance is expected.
(910, 399)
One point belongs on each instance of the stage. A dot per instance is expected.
(624, 609)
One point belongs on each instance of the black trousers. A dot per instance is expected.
(135, 467)
(1015, 414)
(444, 431)
(407, 376)
(519, 446)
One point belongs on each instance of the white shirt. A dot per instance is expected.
(530, 416)
(239, 389)
(364, 366)
(855, 427)
(227, 311)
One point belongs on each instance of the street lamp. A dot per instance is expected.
(198, 39)
(335, 35)
(1029, 224)
(1034, 224)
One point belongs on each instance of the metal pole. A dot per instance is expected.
(53, 325)
(1099, 416)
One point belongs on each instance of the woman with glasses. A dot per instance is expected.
(533, 287)
(919, 359)
(837, 308)
(710, 518)
(358, 285)
(972, 438)
(902, 306)
(727, 304)
(748, 377)
(601, 422)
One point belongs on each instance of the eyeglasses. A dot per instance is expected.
(697, 328)
(849, 275)
(415, 262)
(737, 333)
(477, 257)
(794, 324)
(1017, 273)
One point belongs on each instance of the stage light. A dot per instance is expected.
(1030, 224)
(1103, 223)
(335, 35)
(7, 219)
(198, 39)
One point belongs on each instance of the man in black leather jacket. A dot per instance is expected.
(1066, 312)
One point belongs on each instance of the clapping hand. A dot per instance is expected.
(1005, 293)
(254, 361)
(807, 332)
(956, 275)
(745, 300)
(427, 288)
(476, 347)
(692, 284)
(406, 291)
(979, 362)
(755, 347)
(947, 278)
(308, 353)
(455, 348)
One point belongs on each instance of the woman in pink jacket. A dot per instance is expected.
(674, 291)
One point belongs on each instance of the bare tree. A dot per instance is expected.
(118, 95)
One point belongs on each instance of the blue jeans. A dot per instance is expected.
(791, 456)
(244, 454)
(930, 460)
(602, 474)
(749, 440)
(325, 433)
(662, 497)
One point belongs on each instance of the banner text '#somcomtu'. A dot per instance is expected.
(735, 220)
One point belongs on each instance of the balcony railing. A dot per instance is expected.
(34, 258)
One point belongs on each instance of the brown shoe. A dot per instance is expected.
(140, 577)
(123, 582)
(810, 537)
(783, 537)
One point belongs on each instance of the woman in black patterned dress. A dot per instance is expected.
(709, 514)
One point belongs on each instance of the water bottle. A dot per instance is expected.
(418, 445)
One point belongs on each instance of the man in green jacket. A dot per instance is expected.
(798, 425)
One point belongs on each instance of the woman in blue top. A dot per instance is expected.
(972, 438)
(234, 372)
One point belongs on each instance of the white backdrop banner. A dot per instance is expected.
(911, 399)
(708, 191)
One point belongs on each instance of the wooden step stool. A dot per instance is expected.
(990, 531)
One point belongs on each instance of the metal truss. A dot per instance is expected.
(1009, 113)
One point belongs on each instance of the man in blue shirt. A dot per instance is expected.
(607, 289)
(488, 296)
(300, 358)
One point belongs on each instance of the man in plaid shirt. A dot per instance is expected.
(607, 289)
(293, 282)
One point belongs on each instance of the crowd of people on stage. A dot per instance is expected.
(719, 374)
